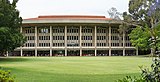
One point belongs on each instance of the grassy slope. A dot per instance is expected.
(73, 69)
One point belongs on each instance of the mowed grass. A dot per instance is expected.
(73, 69)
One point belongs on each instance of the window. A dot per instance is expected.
(44, 30)
(114, 44)
(128, 44)
(114, 30)
(29, 30)
(127, 38)
(72, 37)
(114, 38)
(73, 30)
(30, 37)
(29, 44)
(44, 37)
(86, 37)
(101, 44)
(101, 37)
(44, 44)
(58, 30)
(86, 44)
(87, 30)
(101, 30)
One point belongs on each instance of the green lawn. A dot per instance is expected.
(73, 69)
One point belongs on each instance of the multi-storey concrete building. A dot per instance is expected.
(74, 36)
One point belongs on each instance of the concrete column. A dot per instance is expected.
(35, 52)
(21, 52)
(137, 52)
(123, 43)
(36, 40)
(123, 51)
(95, 52)
(51, 39)
(80, 52)
(65, 34)
(95, 40)
(80, 40)
(50, 52)
(65, 52)
(110, 40)
(7, 54)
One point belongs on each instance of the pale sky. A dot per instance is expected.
(34, 8)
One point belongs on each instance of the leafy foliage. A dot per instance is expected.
(6, 76)
(139, 38)
(154, 74)
(147, 75)
(10, 22)
(114, 14)
(131, 79)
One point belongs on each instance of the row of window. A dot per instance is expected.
(114, 38)
(75, 38)
(114, 44)
(30, 37)
(87, 30)
(101, 30)
(29, 31)
(44, 44)
(44, 30)
(58, 44)
(86, 44)
(101, 44)
(44, 37)
(29, 45)
(86, 37)
(114, 31)
(59, 30)
(83, 44)
(72, 37)
(58, 37)
(101, 37)
(72, 30)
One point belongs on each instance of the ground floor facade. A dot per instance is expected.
(75, 52)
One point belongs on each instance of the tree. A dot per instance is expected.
(114, 14)
(139, 38)
(124, 27)
(145, 14)
(10, 22)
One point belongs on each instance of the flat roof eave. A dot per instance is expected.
(68, 21)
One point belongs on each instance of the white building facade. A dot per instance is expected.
(74, 36)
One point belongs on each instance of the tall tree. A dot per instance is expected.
(124, 27)
(114, 14)
(10, 22)
(145, 14)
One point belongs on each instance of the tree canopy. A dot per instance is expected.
(10, 23)
(145, 15)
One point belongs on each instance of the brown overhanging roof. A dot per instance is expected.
(69, 17)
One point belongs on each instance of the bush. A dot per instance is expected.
(147, 75)
(131, 79)
(152, 75)
(6, 76)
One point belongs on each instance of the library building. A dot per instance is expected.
(74, 35)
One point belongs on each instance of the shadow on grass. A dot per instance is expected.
(5, 59)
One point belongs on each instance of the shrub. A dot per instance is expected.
(6, 76)
(152, 75)
(147, 75)
(131, 79)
